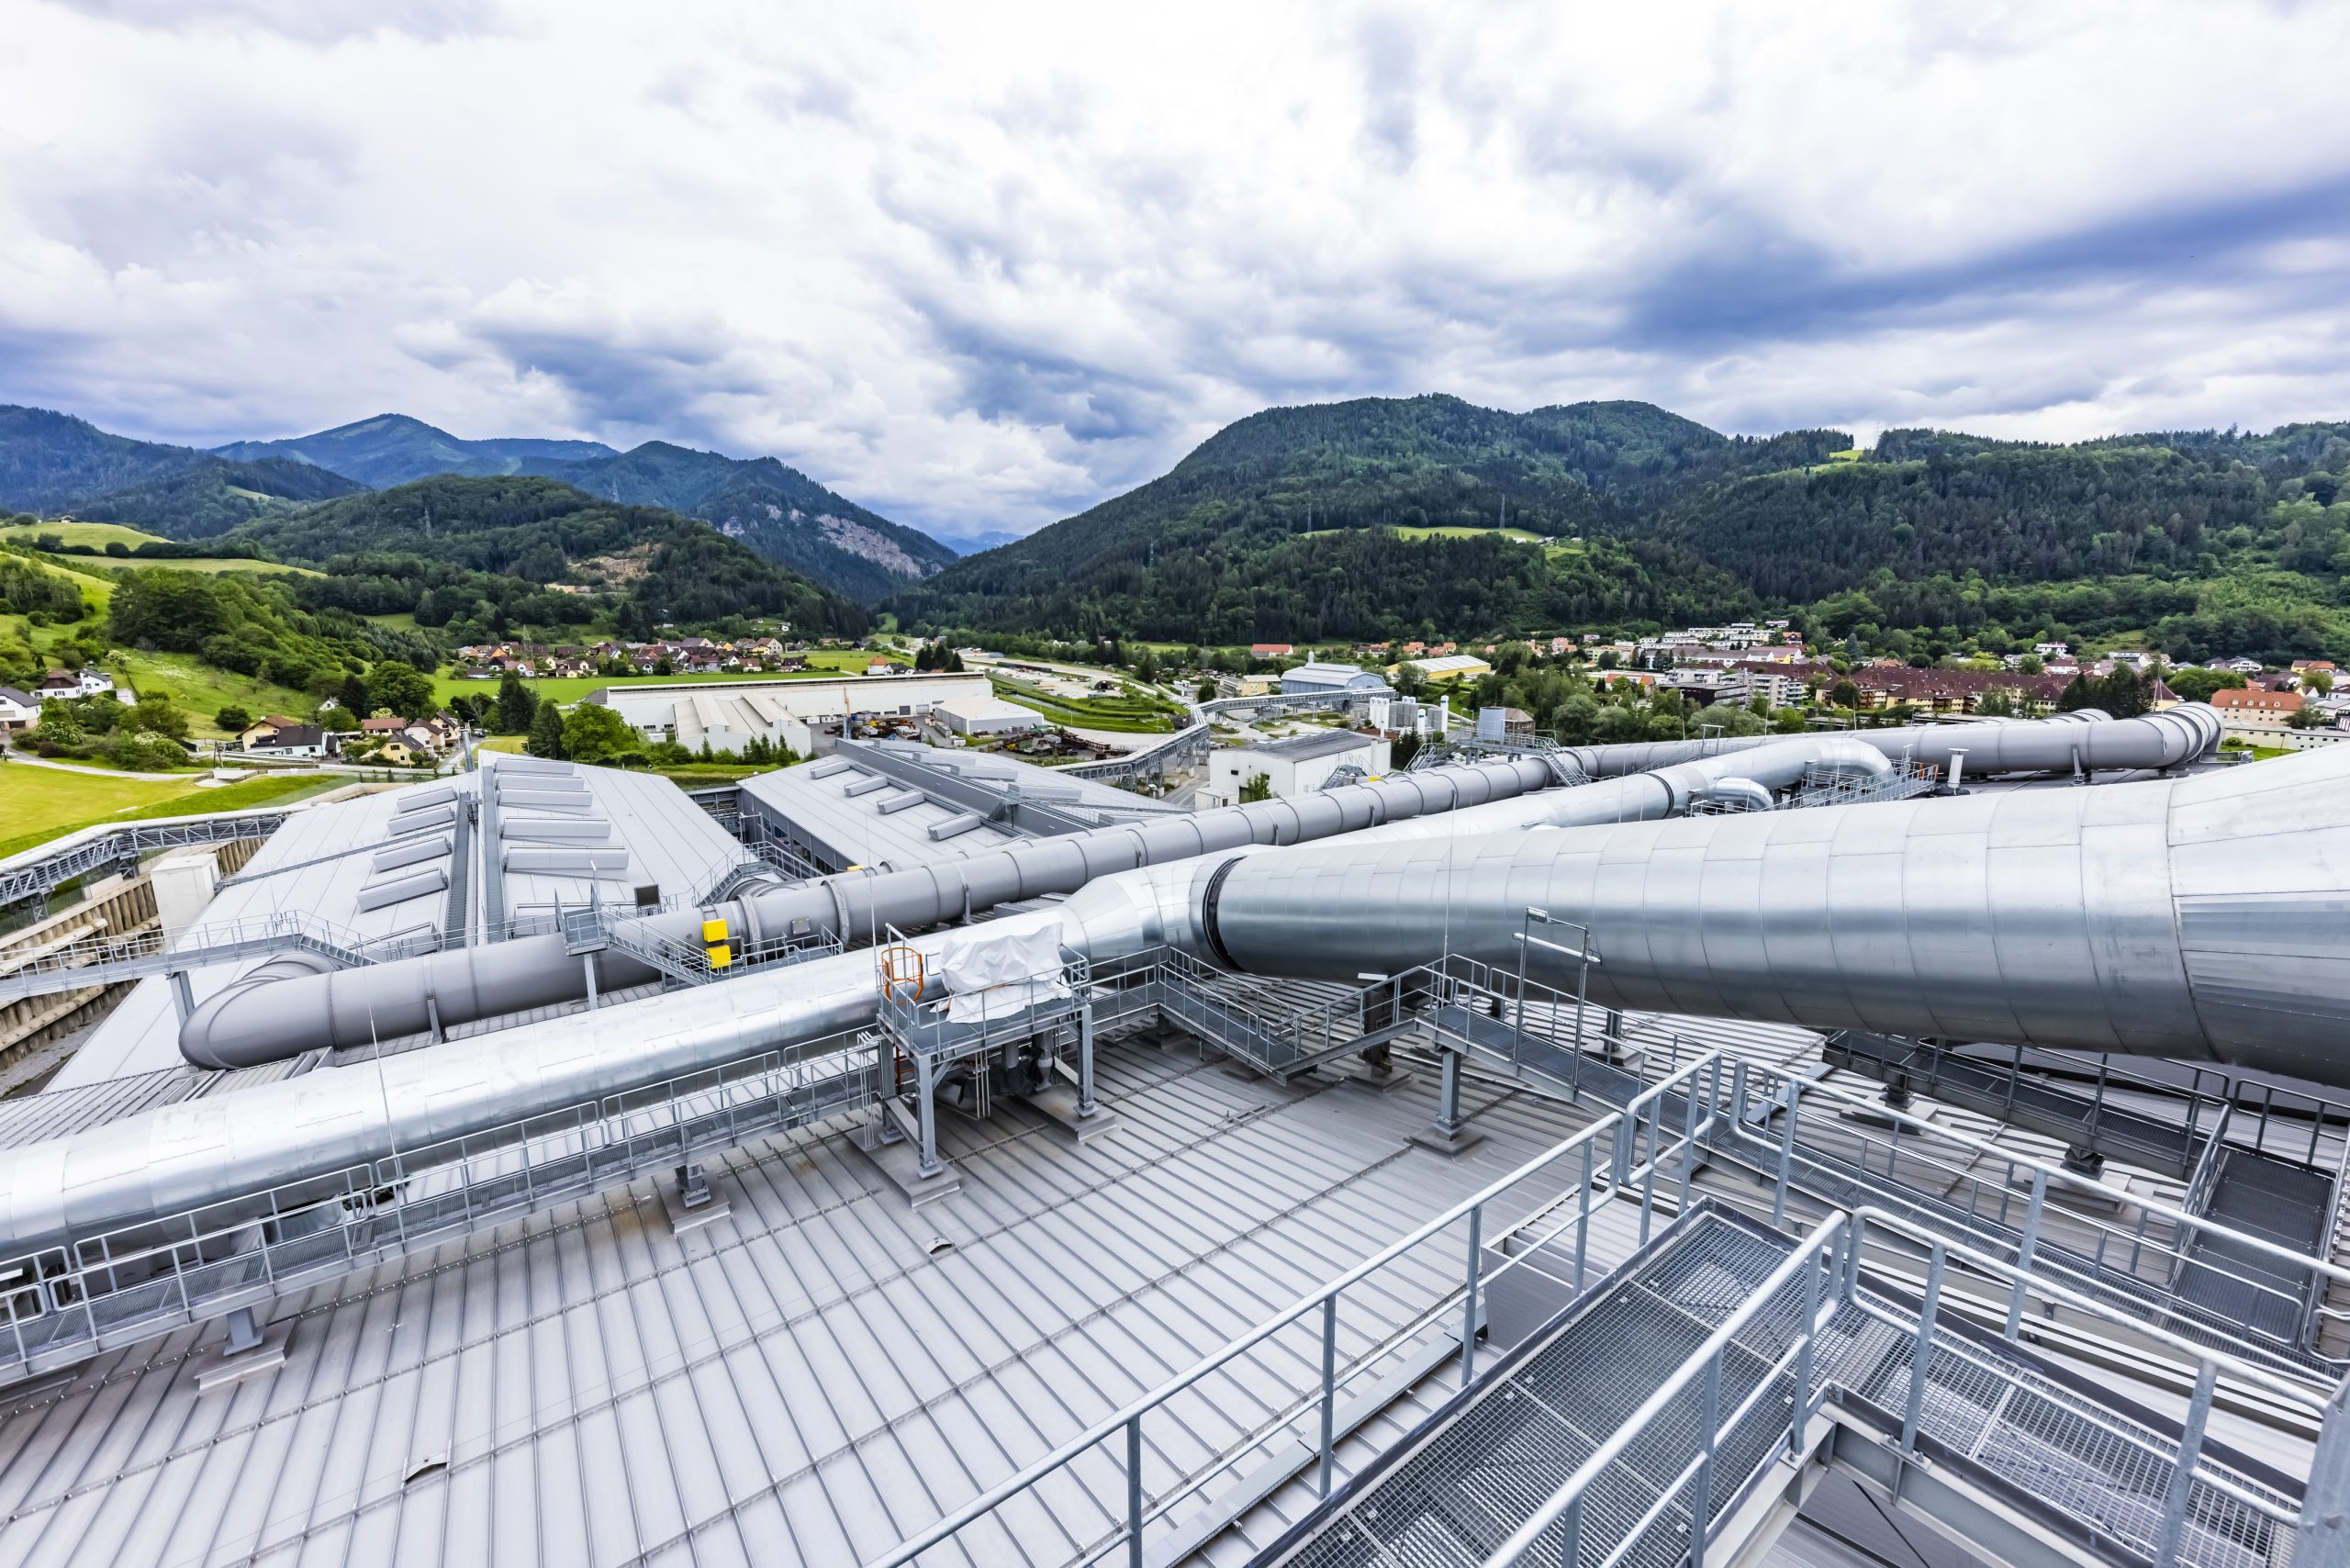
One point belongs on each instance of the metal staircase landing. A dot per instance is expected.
(1670, 1415)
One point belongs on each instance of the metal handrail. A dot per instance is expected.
(1808, 1255)
(1128, 1419)
(2134, 1243)
(1840, 1242)
(2043, 1174)
(151, 1277)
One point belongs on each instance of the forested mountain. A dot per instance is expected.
(1297, 524)
(392, 449)
(476, 554)
(51, 460)
(215, 495)
(1349, 519)
(52, 463)
(776, 509)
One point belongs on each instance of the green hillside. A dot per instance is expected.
(51, 460)
(1382, 516)
(214, 496)
(1369, 517)
(775, 510)
(469, 554)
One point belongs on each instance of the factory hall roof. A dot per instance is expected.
(1305, 749)
(380, 868)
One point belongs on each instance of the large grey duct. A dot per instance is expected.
(247, 1025)
(2087, 740)
(2193, 917)
(2201, 917)
(217, 1147)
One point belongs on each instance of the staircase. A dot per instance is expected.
(1491, 1476)
(2187, 1284)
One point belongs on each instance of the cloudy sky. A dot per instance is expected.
(980, 266)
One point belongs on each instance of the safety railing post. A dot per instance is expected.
(1786, 1154)
(1799, 1411)
(1921, 1353)
(1701, 1506)
(1582, 1219)
(2182, 1478)
(2025, 1248)
(1469, 1302)
(1689, 1129)
(1134, 1491)
(1329, 1389)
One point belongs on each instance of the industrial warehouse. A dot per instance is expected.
(1919, 1146)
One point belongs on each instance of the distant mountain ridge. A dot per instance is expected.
(1298, 523)
(774, 508)
(1379, 518)
(392, 449)
(51, 462)
(539, 532)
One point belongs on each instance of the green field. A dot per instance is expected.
(201, 689)
(99, 536)
(824, 663)
(1520, 534)
(42, 804)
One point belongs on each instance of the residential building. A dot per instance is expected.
(287, 739)
(19, 710)
(1269, 650)
(261, 732)
(2257, 702)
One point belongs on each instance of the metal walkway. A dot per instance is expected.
(37, 873)
(1640, 1428)
(111, 960)
(2153, 1262)
(63, 1306)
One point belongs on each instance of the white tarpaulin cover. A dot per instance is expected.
(1000, 968)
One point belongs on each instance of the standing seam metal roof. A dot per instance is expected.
(804, 1382)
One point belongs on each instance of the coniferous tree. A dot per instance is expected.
(546, 733)
(515, 706)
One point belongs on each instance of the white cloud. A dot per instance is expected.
(979, 267)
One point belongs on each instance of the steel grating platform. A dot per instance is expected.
(1497, 1455)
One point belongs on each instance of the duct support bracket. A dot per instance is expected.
(1448, 1135)
(253, 1348)
(690, 1201)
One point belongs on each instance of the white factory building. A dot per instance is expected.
(1290, 767)
(728, 715)
(978, 714)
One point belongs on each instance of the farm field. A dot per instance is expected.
(200, 690)
(824, 663)
(99, 536)
(42, 804)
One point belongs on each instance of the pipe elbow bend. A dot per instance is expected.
(222, 1033)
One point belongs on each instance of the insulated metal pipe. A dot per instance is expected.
(247, 1025)
(2088, 739)
(222, 1147)
(2200, 917)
